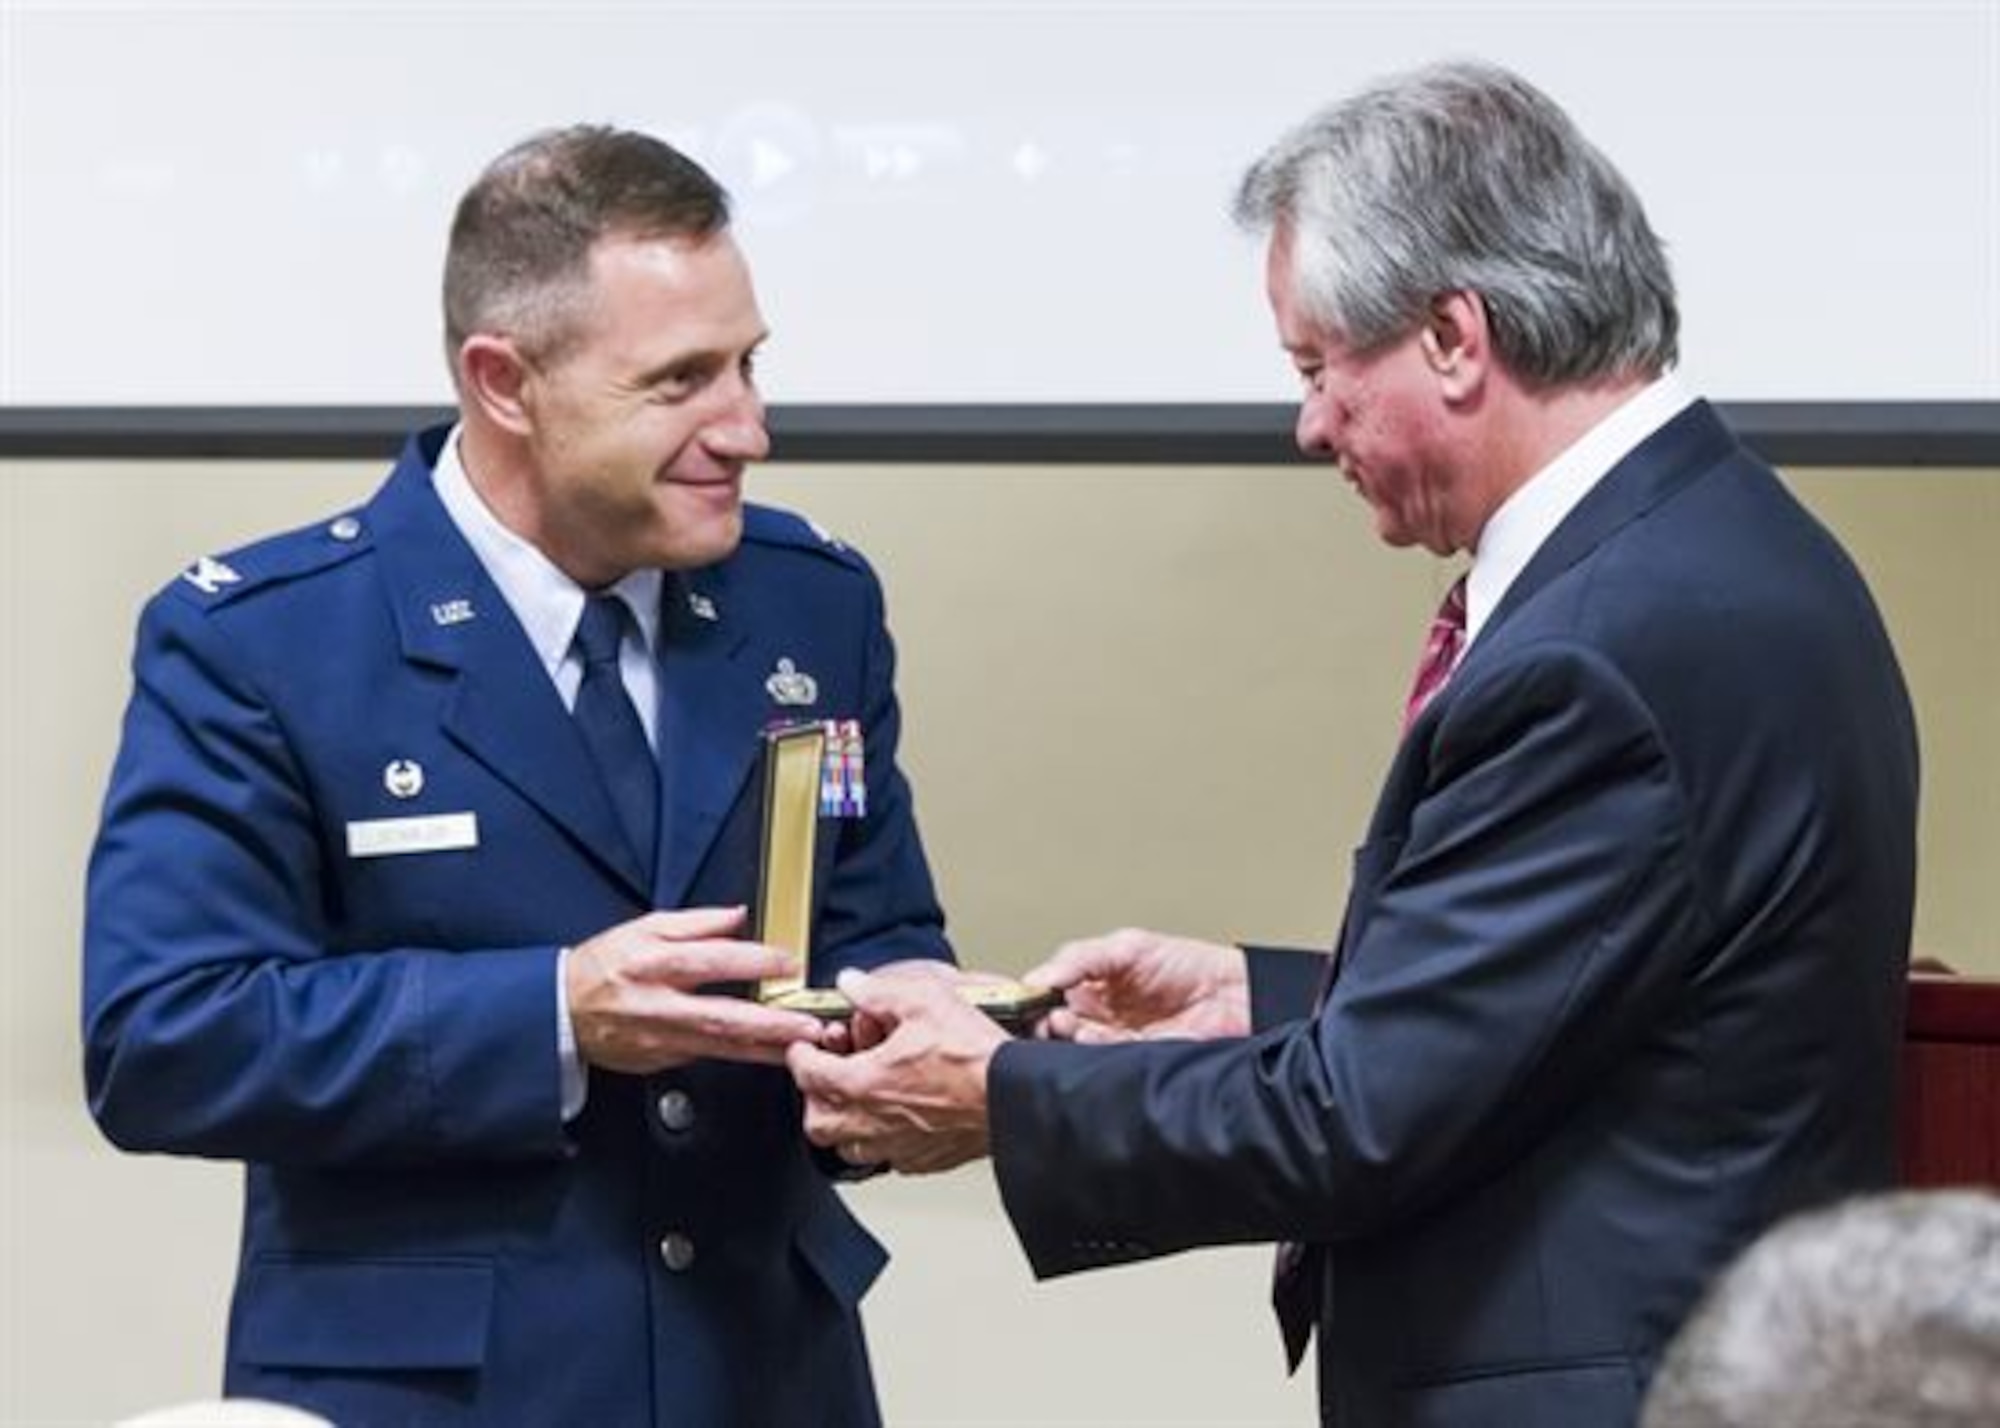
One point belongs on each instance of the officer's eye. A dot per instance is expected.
(677, 384)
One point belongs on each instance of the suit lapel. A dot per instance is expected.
(1654, 471)
(503, 709)
(712, 704)
(1650, 473)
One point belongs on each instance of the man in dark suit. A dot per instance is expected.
(1621, 974)
(394, 902)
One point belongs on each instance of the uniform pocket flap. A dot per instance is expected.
(847, 1258)
(364, 1313)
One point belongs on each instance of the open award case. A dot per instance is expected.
(799, 769)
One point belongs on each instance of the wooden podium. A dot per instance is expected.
(1949, 1125)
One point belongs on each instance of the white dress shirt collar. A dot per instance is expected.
(547, 602)
(1530, 516)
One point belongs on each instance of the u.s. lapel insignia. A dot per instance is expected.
(451, 612)
(788, 686)
(700, 606)
(404, 778)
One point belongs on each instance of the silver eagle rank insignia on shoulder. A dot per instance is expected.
(826, 536)
(209, 575)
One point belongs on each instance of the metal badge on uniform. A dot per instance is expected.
(700, 606)
(451, 612)
(843, 776)
(790, 686)
(393, 837)
(209, 575)
(404, 778)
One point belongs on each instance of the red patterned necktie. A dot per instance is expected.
(1442, 647)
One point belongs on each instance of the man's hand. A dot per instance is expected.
(634, 1000)
(1133, 985)
(864, 1031)
(915, 1097)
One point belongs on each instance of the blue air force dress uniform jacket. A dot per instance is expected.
(425, 1239)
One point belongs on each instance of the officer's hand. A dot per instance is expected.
(1131, 984)
(634, 1003)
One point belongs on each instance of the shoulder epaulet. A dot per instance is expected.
(769, 525)
(215, 580)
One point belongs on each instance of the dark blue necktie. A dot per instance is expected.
(611, 728)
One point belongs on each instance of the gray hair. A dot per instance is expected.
(1466, 177)
(1883, 1312)
(519, 257)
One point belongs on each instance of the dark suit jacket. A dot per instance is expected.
(1621, 982)
(425, 1240)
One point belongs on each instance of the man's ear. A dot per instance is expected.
(494, 376)
(1457, 342)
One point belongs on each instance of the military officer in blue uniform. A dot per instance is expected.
(380, 909)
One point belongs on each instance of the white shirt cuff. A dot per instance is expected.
(575, 1075)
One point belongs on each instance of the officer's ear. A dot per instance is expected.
(493, 375)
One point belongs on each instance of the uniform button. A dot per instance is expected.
(676, 1110)
(677, 1252)
(345, 528)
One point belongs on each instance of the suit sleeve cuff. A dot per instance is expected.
(1284, 981)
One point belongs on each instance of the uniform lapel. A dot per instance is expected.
(712, 706)
(506, 713)
(503, 709)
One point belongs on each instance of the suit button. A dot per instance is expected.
(344, 528)
(677, 1252)
(676, 1110)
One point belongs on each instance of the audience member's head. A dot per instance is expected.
(1882, 1312)
(227, 1413)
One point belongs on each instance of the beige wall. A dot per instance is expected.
(1929, 543)
(1156, 696)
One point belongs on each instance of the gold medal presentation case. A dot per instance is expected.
(794, 764)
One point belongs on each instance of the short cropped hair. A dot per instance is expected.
(521, 240)
(1460, 177)
(1882, 1312)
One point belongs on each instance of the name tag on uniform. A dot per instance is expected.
(388, 837)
